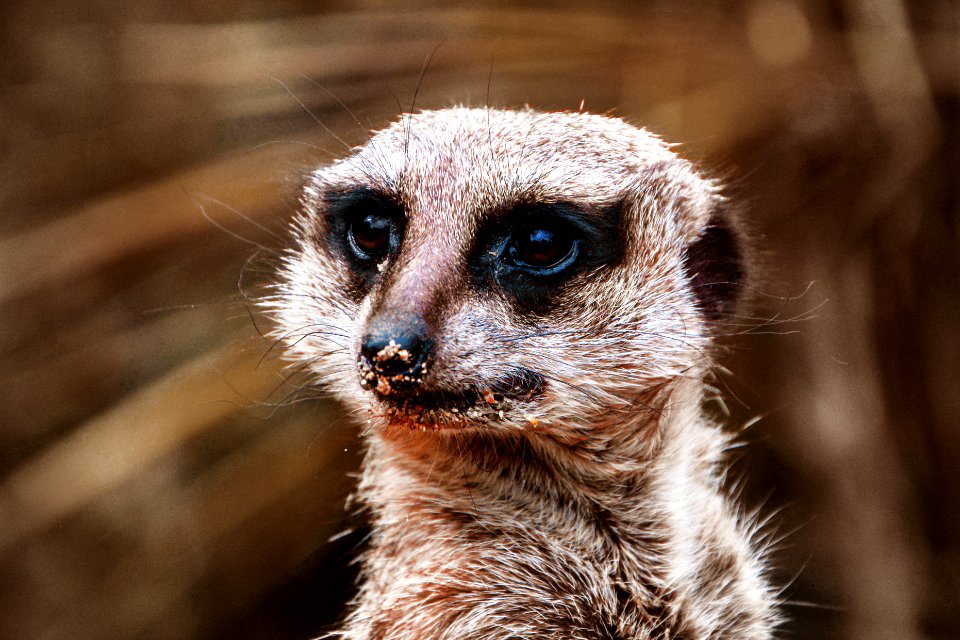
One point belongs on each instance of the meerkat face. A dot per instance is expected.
(504, 270)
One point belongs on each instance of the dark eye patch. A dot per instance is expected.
(364, 227)
(528, 251)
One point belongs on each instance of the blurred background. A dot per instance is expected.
(160, 477)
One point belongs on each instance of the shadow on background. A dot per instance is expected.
(160, 476)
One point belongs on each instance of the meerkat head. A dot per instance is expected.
(507, 270)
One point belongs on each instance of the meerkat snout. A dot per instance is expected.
(530, 301)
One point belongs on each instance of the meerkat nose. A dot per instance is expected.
(394, 352)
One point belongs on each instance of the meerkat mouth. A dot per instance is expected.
(502, 400)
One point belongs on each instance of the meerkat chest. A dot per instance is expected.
(518, 582)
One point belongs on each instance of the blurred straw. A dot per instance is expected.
(119, 444)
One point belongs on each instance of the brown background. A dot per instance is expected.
(160, 479)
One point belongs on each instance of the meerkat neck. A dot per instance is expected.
(463, 524)
(524, 480)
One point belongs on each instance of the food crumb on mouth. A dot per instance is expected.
(391, 351)
(383, 386)
(428, 411)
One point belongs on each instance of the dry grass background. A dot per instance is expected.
(156, 483)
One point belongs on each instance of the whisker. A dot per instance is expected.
(311, 114)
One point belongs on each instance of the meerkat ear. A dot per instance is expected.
(714, 264)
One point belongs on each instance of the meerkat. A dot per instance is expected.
(522, 305)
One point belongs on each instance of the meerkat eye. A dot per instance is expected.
(543, 246)
(369, 235)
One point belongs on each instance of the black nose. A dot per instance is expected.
(393, 358)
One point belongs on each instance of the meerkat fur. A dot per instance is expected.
(546, 469)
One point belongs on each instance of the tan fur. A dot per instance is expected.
(592, 509)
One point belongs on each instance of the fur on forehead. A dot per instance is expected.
(459, 160)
